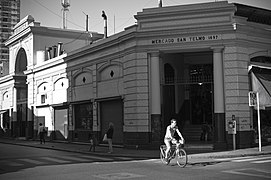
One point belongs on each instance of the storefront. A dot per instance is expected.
(187, 62)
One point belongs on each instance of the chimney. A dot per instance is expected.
(49, 52)
(54, 51)
(59, 49)
(105, 24)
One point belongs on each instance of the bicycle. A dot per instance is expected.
(176, 152)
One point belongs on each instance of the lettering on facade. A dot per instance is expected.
(20, 28)
(186, 39)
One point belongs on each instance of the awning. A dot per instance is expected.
(261, 83)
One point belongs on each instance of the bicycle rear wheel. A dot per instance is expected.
(181, 158)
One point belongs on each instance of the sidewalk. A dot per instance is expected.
(153, 154)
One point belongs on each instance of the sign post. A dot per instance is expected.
(259, 123)
(254, 101)
(232, 130)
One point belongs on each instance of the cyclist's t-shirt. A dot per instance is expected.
(170, 132)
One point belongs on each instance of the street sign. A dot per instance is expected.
(252, 98)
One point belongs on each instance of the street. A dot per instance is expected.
(21, 162)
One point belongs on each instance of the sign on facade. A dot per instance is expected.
(252, 98)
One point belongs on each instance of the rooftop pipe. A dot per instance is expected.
(105, 24)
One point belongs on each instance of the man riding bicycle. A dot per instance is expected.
(169, 137)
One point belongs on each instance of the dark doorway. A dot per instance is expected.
(168, 95)
(21, 96)
(112, 111)
(201, 103)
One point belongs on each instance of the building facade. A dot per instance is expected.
(187, 62)
(10, 16)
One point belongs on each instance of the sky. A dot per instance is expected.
(120, 13)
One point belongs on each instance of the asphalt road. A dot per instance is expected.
(20, 162)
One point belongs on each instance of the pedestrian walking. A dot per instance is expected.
(110, 133)
(93, 142)
(42, 132)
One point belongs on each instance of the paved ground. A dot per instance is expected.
(118, 151)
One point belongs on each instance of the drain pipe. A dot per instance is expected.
(105, 24)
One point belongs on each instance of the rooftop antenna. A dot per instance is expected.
(65, 4)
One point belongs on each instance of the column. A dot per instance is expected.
(15, 124)
(155, 93)
(1, 121)
(219, 100)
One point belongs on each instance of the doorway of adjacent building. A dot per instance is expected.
(61, 124)
(21, 127)
(112, 111)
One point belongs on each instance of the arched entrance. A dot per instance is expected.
(21, 126)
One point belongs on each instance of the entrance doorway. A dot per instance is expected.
(112, 111)
(61, 123)
(22, 124)
(188, 93)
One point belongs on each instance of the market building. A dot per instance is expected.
(189, 62)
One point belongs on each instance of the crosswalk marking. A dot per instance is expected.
(96, 157)
(14, 164)
(69, 159)
(74, 158)
(32, 161)
(248, 159)
(255, 160)
(55, 160)
(123, 158)
(250, 172)
(264, 161)
(229, 159)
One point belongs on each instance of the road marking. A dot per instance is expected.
(229, 159)
(14, 164)
(249, 159)
(74, 158)
(264, 161)
(97, 157)
(126, 162)
(250, 172)
(118, 176)
(123, 158)
(54, 160)
(32, 161)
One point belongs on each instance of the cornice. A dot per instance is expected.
(102, 44)
(46, 64)
(6, 78)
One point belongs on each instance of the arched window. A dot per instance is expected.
(21, 62)
(261, 59)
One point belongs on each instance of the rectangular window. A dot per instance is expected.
(43, 98)
(83, 116)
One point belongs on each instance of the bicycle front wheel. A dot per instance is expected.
(181, 158)
(162, 155)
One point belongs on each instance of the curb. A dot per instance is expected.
(200, 158)
(83, 152)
